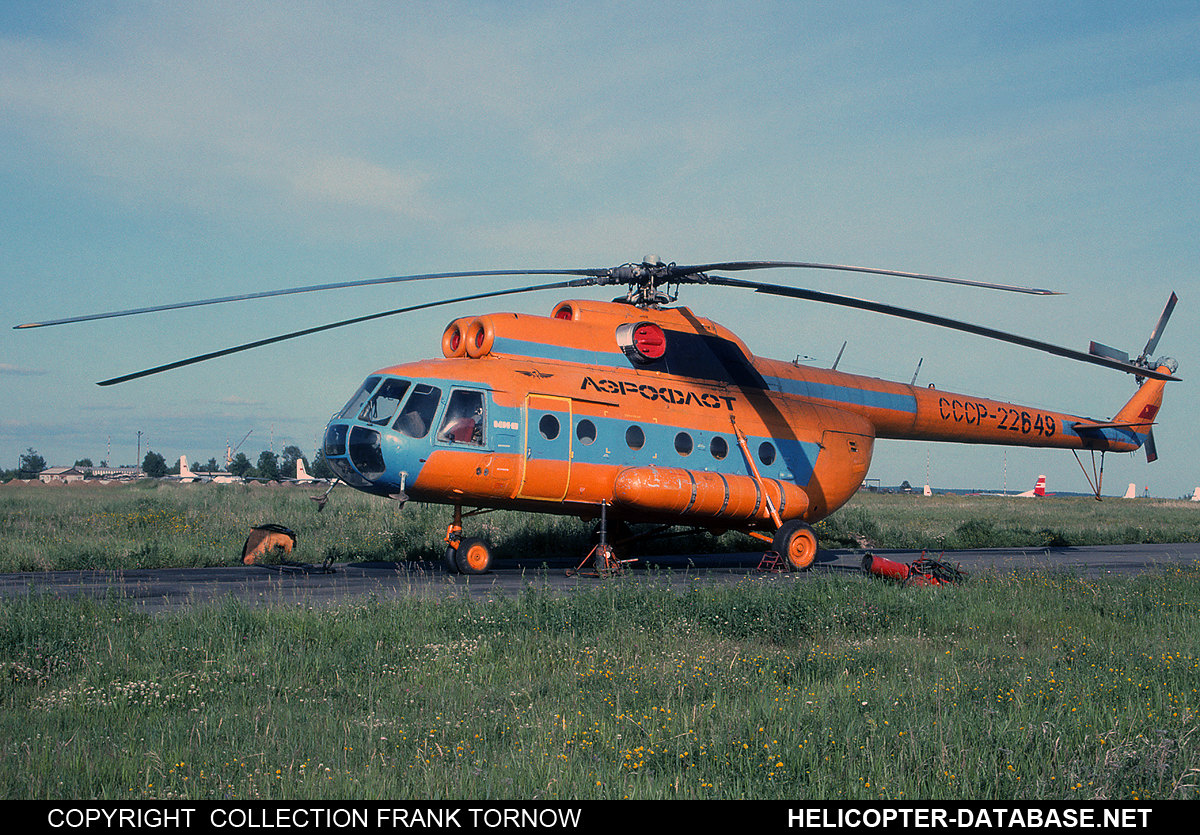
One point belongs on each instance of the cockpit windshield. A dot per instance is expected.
(355, 403)
(383, 405)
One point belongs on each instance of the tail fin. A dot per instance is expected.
(301, 473)
(184, 472)
(1139, 413)
(1038, 491)
(1130, 492)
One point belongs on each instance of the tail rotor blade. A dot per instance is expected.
(1156, 334)
(1098, 350)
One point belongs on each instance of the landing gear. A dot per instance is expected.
(471, 555)
(608, 556)
(796, 543)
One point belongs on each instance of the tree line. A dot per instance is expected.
(270, 466)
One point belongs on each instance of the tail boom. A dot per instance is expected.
(945, 416)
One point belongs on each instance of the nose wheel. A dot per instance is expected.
(465, 555)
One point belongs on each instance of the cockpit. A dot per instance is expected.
(400, 409)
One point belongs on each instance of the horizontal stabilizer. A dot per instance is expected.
(1080, 426)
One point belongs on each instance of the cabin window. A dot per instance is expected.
(683, 444)
(463, 422)
(549, 427)
(380, 408)
(766, 453)
(355, 404)
(586, 432)
(635, 438)
(417, 415)
(719, 447)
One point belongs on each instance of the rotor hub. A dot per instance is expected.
(648, 279)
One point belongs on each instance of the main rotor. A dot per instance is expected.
(649, 284)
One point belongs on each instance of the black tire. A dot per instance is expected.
(450, 559)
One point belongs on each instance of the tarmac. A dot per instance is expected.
(167, 589)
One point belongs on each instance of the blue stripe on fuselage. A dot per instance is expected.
(848, 395)
(557, 353)
(794, 462)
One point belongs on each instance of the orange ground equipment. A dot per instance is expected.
(265, 539)
(925, 571)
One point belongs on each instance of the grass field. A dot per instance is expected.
(1030, 687)
(158, 524)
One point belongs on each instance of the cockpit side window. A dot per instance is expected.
(463, 422)
(417, 415)
(383, 405)
(355, 404)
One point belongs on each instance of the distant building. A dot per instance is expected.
(115, 472)
(64, 474)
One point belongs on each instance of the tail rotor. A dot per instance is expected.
(1145, 361)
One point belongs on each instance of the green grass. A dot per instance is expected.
(1030, 687)
(954, 522)
(159, 524)
(836, 688)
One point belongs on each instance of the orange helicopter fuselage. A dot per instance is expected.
(660, 414)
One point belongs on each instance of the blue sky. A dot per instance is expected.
(153, 153)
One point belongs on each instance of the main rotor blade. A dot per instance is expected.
(308, 331)
(954, 324)
(629, 273)
(309, 289)
(699, 269)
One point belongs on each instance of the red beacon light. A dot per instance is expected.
(642, 342)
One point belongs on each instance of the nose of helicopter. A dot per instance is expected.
(356, 454)
(379, 441)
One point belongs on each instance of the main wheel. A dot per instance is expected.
(474, 556)
(450, 559)
(796, 542)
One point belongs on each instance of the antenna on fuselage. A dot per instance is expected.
(839, 358)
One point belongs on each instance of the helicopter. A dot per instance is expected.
(638, 410)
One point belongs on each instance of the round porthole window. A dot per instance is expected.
(586, 432)
(635, 438)
(719, 448)
(548, 426)
(683, 443)
(766, 453)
